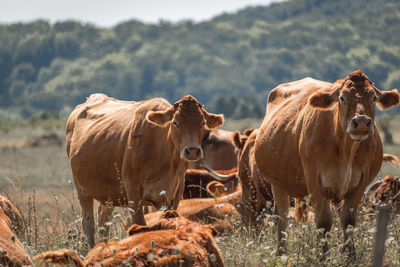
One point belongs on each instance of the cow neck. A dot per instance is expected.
(173, 153)
(347, 146)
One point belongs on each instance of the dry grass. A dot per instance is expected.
(39, 181)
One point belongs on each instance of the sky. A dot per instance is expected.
(108, 13)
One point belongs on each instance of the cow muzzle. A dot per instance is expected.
(360, 127)
(192, 153)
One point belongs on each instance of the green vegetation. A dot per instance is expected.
(229, 63)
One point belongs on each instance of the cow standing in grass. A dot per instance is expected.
(133, 153)
(320, 139)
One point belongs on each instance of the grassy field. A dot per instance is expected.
(38, 181)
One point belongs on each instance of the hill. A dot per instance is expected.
(229, 63)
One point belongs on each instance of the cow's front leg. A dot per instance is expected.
(348, 215)
(323, 216)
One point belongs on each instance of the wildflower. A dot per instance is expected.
(69, 181)
(290, 225)
(55, 197)
(47, 220)
(304, 226)
(163, 208)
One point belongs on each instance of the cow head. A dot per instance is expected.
(188, 122)
(356, 97)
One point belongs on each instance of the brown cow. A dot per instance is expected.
(12, 253)
(216, 211)
(172, 241)
(320, 139)
(196, 181)
(386, 190)
(218, 151)
(256, 192)
(133, 153)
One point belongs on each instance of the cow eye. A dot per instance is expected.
(175, 124)
(341, 99)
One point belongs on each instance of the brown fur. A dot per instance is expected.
(172, 241)
(307, 145)
(12, 253)
(387, 190)
(13, 213)
(134, 153)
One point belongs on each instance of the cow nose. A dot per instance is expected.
(360, 127)
(192, 153)
(362, 123)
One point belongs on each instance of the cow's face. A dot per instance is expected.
(356, 97)
(188, 121)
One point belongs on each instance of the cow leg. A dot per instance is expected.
(86, 203)
(178, 196)
(136, 210)
(323, 216)
(348, 215)
(300, 210)
(104, 214)
(281, 208)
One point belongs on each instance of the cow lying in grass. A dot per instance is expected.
(386, 190)
(172, 241)
(12, 253)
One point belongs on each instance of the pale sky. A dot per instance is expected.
(109, 13)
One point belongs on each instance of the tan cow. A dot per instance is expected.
(12, 253)
(320, 139)
(256, 192)
(133, 153)
(172, 241)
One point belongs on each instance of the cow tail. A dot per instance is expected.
(391, 159)
(59, 257)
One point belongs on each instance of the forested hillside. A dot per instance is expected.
(229, 63)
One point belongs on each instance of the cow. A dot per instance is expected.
(196, 181)
(172, 241)
(12, 253)
(386, 190)
(218, 151)
(320, 139)
(256, 192)
(216, 211)
(126, 153)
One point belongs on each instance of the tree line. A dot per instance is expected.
(228, 63)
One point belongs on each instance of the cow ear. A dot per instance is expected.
(326, 100)
(213, 120)
(215, 188)
(323, 100)
(236, 140)
(213, 231)
(387, 99)
(135, 229)
(160, 118)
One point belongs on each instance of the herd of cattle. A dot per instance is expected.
(317, 140)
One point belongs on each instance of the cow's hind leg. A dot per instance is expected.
(86, 203)
(104, 215)
(281, 208)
